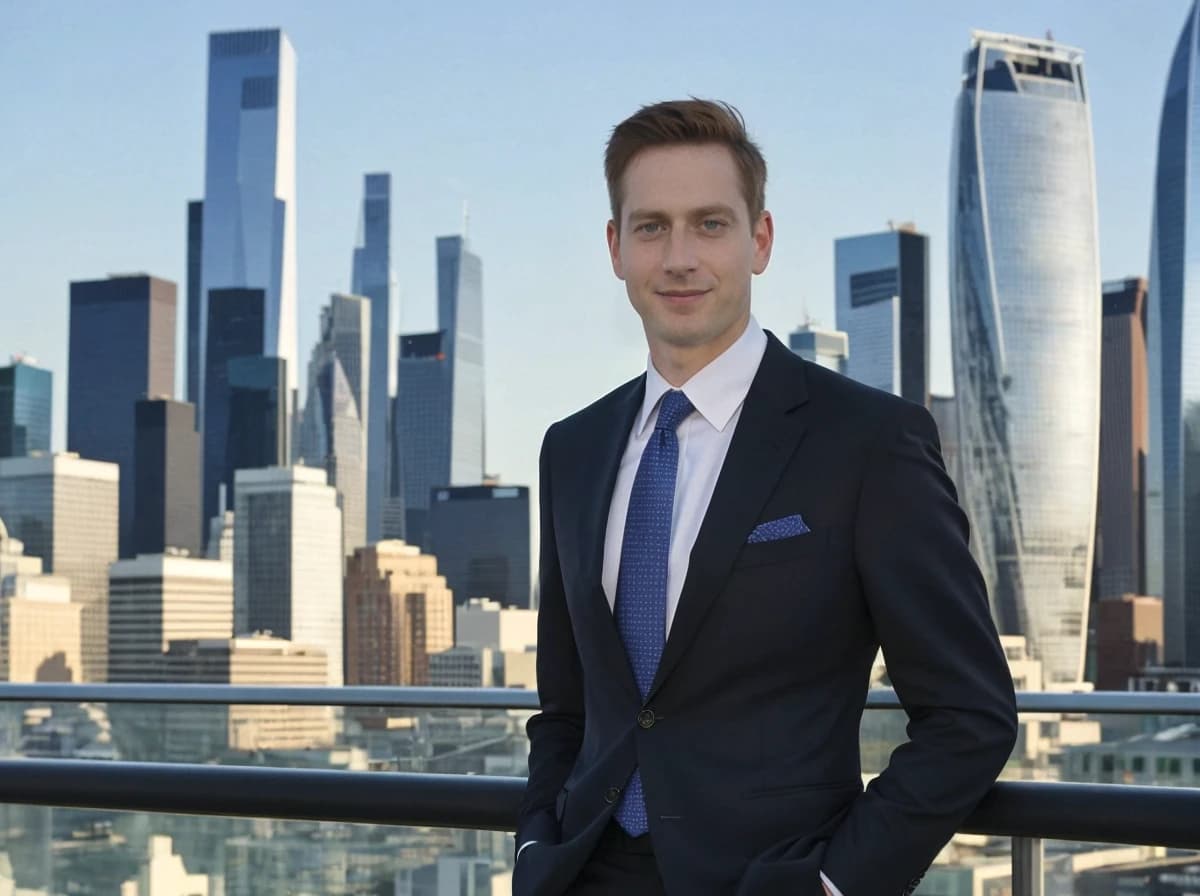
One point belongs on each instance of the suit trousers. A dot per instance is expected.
(619, 866)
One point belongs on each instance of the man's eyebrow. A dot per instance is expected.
(701, 212)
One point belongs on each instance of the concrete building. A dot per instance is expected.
(65, 510)
(829, 348)
(155, 599)
(41, 635)
(398, 613)
(1129, 638)
(287, 559)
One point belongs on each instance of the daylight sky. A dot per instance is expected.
(506, 106)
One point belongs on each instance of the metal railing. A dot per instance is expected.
(1028, 812)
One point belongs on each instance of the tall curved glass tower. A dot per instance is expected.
(1173, 350)
(1025, 323)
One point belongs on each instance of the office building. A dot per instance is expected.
(64, 509)
(1173, 352)
(248, 222)
(1025, 328)
(882, 297)
(438, 422)
(371, 277)
(25, 405)
(195, 261)
(480, 535)
(41, 631)
(154, 599)
(398, 613)
(1129, 638)
(122, 349)
(287, 559)
(166, 488)
(829, 348)
(334, 432)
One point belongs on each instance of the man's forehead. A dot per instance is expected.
(682, 178)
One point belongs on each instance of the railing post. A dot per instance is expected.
(1028, 873)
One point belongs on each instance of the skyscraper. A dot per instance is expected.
(257, 435)
(64, 509)
(829, 348)
(398, 612)
(1121, 508)
(287, 559)
(235, 321)
(439, 416)
(882, 292)
(1025, 323)
(195, 308)
(334, 434)
(166, 488)
(249, 216)
(1173, 346)
(155, 599)
(371, 277)
(25, 404)
(480, 536)
(122, 349)
(422, 421)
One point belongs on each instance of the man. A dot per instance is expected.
(725, 543)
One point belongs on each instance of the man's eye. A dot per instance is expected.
(712, 225)
(649, 227)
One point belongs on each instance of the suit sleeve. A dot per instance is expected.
(556, 732)
(929, 607)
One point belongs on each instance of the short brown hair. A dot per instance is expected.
(681, 122)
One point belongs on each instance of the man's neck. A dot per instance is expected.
(678, 364)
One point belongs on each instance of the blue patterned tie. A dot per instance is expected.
(641, 605)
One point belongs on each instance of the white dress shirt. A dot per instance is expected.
(717, 392)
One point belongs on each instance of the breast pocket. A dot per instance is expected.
(782, 550)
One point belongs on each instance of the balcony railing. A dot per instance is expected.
(1028, 812)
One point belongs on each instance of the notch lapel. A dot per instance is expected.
(597, 462)
(768, 432)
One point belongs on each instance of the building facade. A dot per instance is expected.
(829, 348)
(881, 285)
(166, 488)
(287, 559)
(1025, 327)
(248, 226)
(26, 401)
(64, 509)
(480, 535)
(1173, 349)
(371, 276)
(121, 350)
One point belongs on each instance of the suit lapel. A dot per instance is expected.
(769, 429)
(596, 470)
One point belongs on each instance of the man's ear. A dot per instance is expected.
(764, 239)
(614, 248)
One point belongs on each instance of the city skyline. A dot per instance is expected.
(548, 276)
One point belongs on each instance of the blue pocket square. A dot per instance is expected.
(784, 527)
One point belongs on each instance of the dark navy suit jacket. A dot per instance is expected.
(748, 743)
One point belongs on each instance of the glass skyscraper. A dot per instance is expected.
(1173, 349)
(1025, 323)
(249, 214)
(439, 412)
(480, 536)
(122, 349)
(371, 277)
(25, 404)
(881, 282)
(333, 437)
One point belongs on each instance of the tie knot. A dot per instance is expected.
(675, 406)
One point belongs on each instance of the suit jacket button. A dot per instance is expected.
(612, 795)
(645, 718)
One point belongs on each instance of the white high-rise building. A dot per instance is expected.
(158, 598)
(287, 559)
(64, 509)
(249, 212)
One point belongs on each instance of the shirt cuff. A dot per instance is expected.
(825, 880)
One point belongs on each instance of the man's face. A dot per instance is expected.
(685, 245)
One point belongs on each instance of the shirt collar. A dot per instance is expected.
(719, 388)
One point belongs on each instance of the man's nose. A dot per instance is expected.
(680, 252)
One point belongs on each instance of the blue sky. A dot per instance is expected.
(508, 106)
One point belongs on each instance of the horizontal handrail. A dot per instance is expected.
(1100, 702)
(1101, 813)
